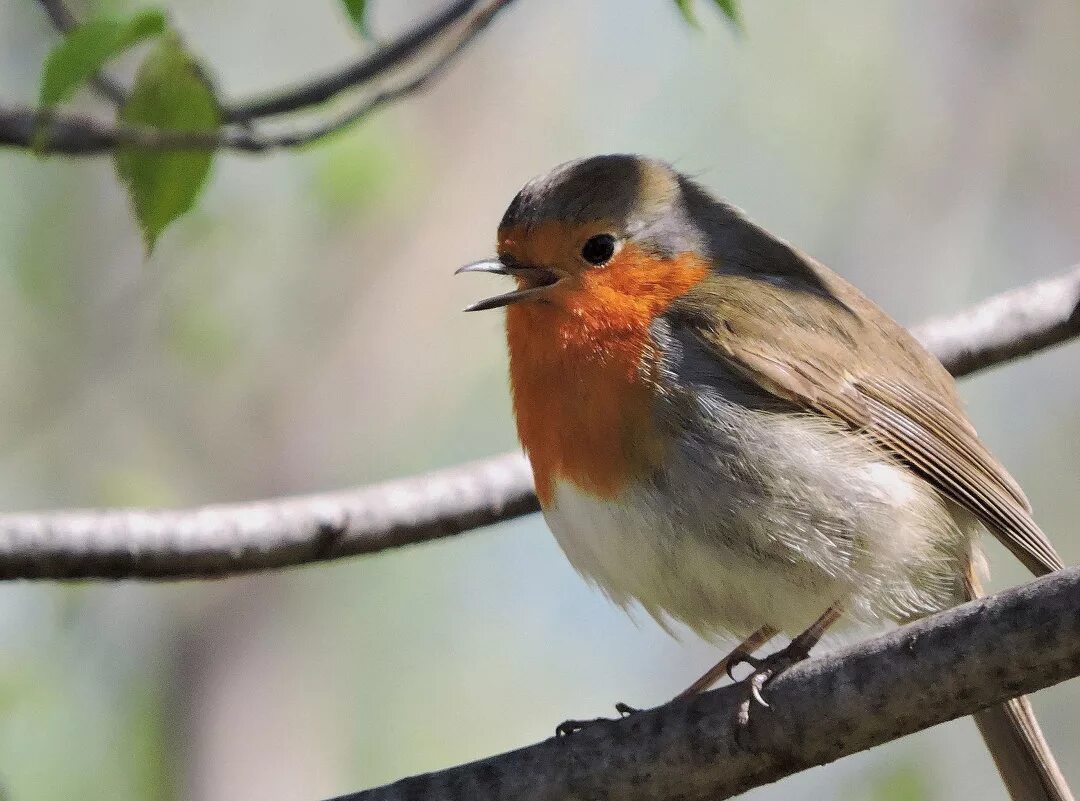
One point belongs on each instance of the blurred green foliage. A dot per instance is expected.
(88, 47)
(905, 781)
(357, 11)
(356, 170)
(201, 336)
(729, 8)
(172, 93)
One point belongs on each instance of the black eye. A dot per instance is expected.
(598, 249)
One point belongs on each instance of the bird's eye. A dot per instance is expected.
(598, 249)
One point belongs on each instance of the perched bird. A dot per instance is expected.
(727, 433)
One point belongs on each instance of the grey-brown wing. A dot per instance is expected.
(927, 435)
(908, 423)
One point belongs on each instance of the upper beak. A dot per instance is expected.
(483, 266)
(540, 277)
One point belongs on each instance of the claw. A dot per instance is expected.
(742, 717)
(765, 670)
(757, 684)
(568, 727)
(740, 657)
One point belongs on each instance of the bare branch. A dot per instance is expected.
(1007, 326)
(923, 674)
(472, 29)
(75, 135)
(234, 538)
(220, 539)
(59, 15)
(377, 64)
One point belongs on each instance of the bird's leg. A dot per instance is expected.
(743, 652)
(767, 669)
(764, 669)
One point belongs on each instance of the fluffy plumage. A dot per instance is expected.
(730, 435)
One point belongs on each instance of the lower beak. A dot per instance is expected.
(540, 279)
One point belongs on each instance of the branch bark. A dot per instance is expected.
(235, 538)
(1007, 326)
(915, 677)
(230, 538)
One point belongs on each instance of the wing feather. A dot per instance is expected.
(900, 410)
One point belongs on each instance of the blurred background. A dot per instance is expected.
(302, 331)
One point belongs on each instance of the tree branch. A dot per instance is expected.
(1007, 326)
(77, 135)
(351, 76)
(234, 538)
(227, 538)
(915, 677)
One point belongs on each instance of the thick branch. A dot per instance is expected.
(929, 672)
(234, 538)
(214, 540)
(76, 135)
(1007, 326)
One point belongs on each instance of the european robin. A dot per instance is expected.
(730, 435)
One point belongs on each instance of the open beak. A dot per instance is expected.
(536, 280)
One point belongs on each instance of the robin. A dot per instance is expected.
(728, 434)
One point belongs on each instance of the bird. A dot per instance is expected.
(728, 435)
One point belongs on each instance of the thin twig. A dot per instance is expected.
(235, 538)
(416, 84)
(376, 65)
(932, 671)
(59, 14)
(73, 135)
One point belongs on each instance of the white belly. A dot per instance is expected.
(745, 533)
(633, 555)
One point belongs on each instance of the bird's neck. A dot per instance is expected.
(584, 376)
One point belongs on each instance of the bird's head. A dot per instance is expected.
(606, 228)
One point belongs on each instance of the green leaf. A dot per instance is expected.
(906, 782)
(729, 8)
(170, 93)
(88, 47)
(357, 11)
(687, 10)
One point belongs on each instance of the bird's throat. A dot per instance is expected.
(583, 372)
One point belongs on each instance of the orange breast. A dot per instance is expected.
(583, 370)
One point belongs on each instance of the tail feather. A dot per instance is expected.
(1016, 743)
(1021, 754)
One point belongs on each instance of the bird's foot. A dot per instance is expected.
(765, 670)
(741, 657)
(568, 727)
